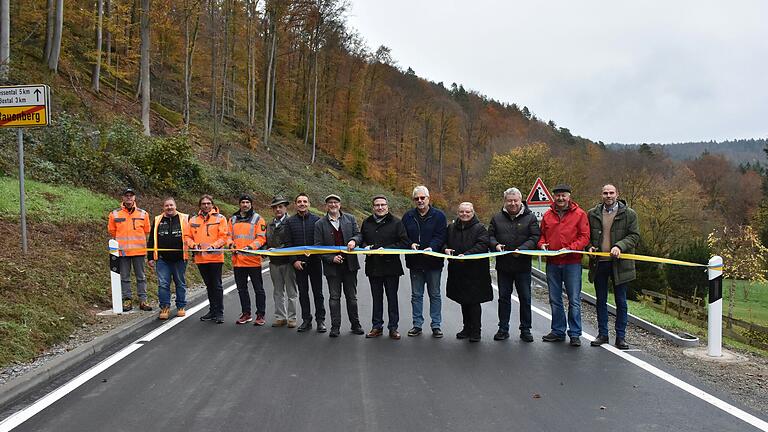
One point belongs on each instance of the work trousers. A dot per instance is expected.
(211, 273)
(125, 264)
(241, 280)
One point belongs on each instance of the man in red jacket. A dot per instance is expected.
(564, 226)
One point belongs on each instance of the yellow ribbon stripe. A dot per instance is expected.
(320, 250)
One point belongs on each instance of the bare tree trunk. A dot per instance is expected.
(50, 25)
(189, 50)
(314, 115)
(268, 90)
(212, 29)
(97, 67)
(224, 69)
(145, 96)
(107, 32)
(5, 39)
(53, 60)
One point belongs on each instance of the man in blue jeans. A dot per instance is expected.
(167, 254)
(426, 229)
(614, 229)
(564, 226)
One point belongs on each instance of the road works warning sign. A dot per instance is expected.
(539, 200)
(25, 105)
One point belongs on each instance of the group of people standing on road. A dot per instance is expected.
(611, 226)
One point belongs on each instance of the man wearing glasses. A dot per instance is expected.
(426, 229)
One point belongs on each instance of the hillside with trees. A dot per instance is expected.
(741, 151)
(186, 97)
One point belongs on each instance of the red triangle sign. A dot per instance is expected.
(539, 195)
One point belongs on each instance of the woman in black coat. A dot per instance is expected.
(469, 281)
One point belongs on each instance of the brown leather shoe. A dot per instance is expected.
(292, 323)
(375, 332)
(144, 305)
(165, 312)
(279, 323)
(180, 312)
(394, 334)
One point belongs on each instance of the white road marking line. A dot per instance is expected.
(25, 414)
(677, 382)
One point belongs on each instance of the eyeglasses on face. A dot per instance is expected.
(420, 198)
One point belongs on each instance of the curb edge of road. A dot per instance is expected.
(688, 341)
(16, 388)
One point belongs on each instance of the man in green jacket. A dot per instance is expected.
(613, 228)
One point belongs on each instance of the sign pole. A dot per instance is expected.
(22, 194)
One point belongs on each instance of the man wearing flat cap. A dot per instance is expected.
(564, 226)
(280, 268)
(340, 229)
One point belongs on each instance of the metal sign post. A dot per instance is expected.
(22, 193)
(24, 106)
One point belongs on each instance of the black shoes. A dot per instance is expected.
(357, 330)
(414, 331)
(501, 335)
(575, 341)
(551, 337)
(526, 336)
(599, 340)
(321, 328)
(437, 333)
(475, 338)
(210, 316)
(463, 334)
(219, 320)
(334, 332)
(305, 326)
(621, 344)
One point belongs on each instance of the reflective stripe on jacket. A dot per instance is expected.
(130, 229)
(184, 220)
(207, 231)
(247, 233)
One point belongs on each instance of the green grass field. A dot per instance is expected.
(51, 203)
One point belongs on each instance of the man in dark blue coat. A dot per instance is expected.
(426, 228)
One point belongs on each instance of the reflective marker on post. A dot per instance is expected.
(114, 273)
(715, 308)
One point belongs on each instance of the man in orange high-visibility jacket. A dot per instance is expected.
(208, 230)
(129, 225)
(247, 231)
(168, 255)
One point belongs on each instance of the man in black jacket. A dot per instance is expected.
(308, 268)
(382, 230)
(168, 256)
(514, 228)
(340, 229)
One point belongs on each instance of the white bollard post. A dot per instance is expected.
(715, 308)
(114, 273)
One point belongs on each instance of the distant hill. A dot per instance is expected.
(737, 151)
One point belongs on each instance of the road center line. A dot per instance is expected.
(25, 414)
(677, 382)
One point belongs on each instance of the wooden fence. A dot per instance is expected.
(696, 313)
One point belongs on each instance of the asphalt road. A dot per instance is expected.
(199, 376)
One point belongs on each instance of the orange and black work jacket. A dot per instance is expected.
(130, 229)
(247, 231)
(207, 231)
(168, 233)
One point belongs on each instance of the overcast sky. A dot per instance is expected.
(609, 70)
